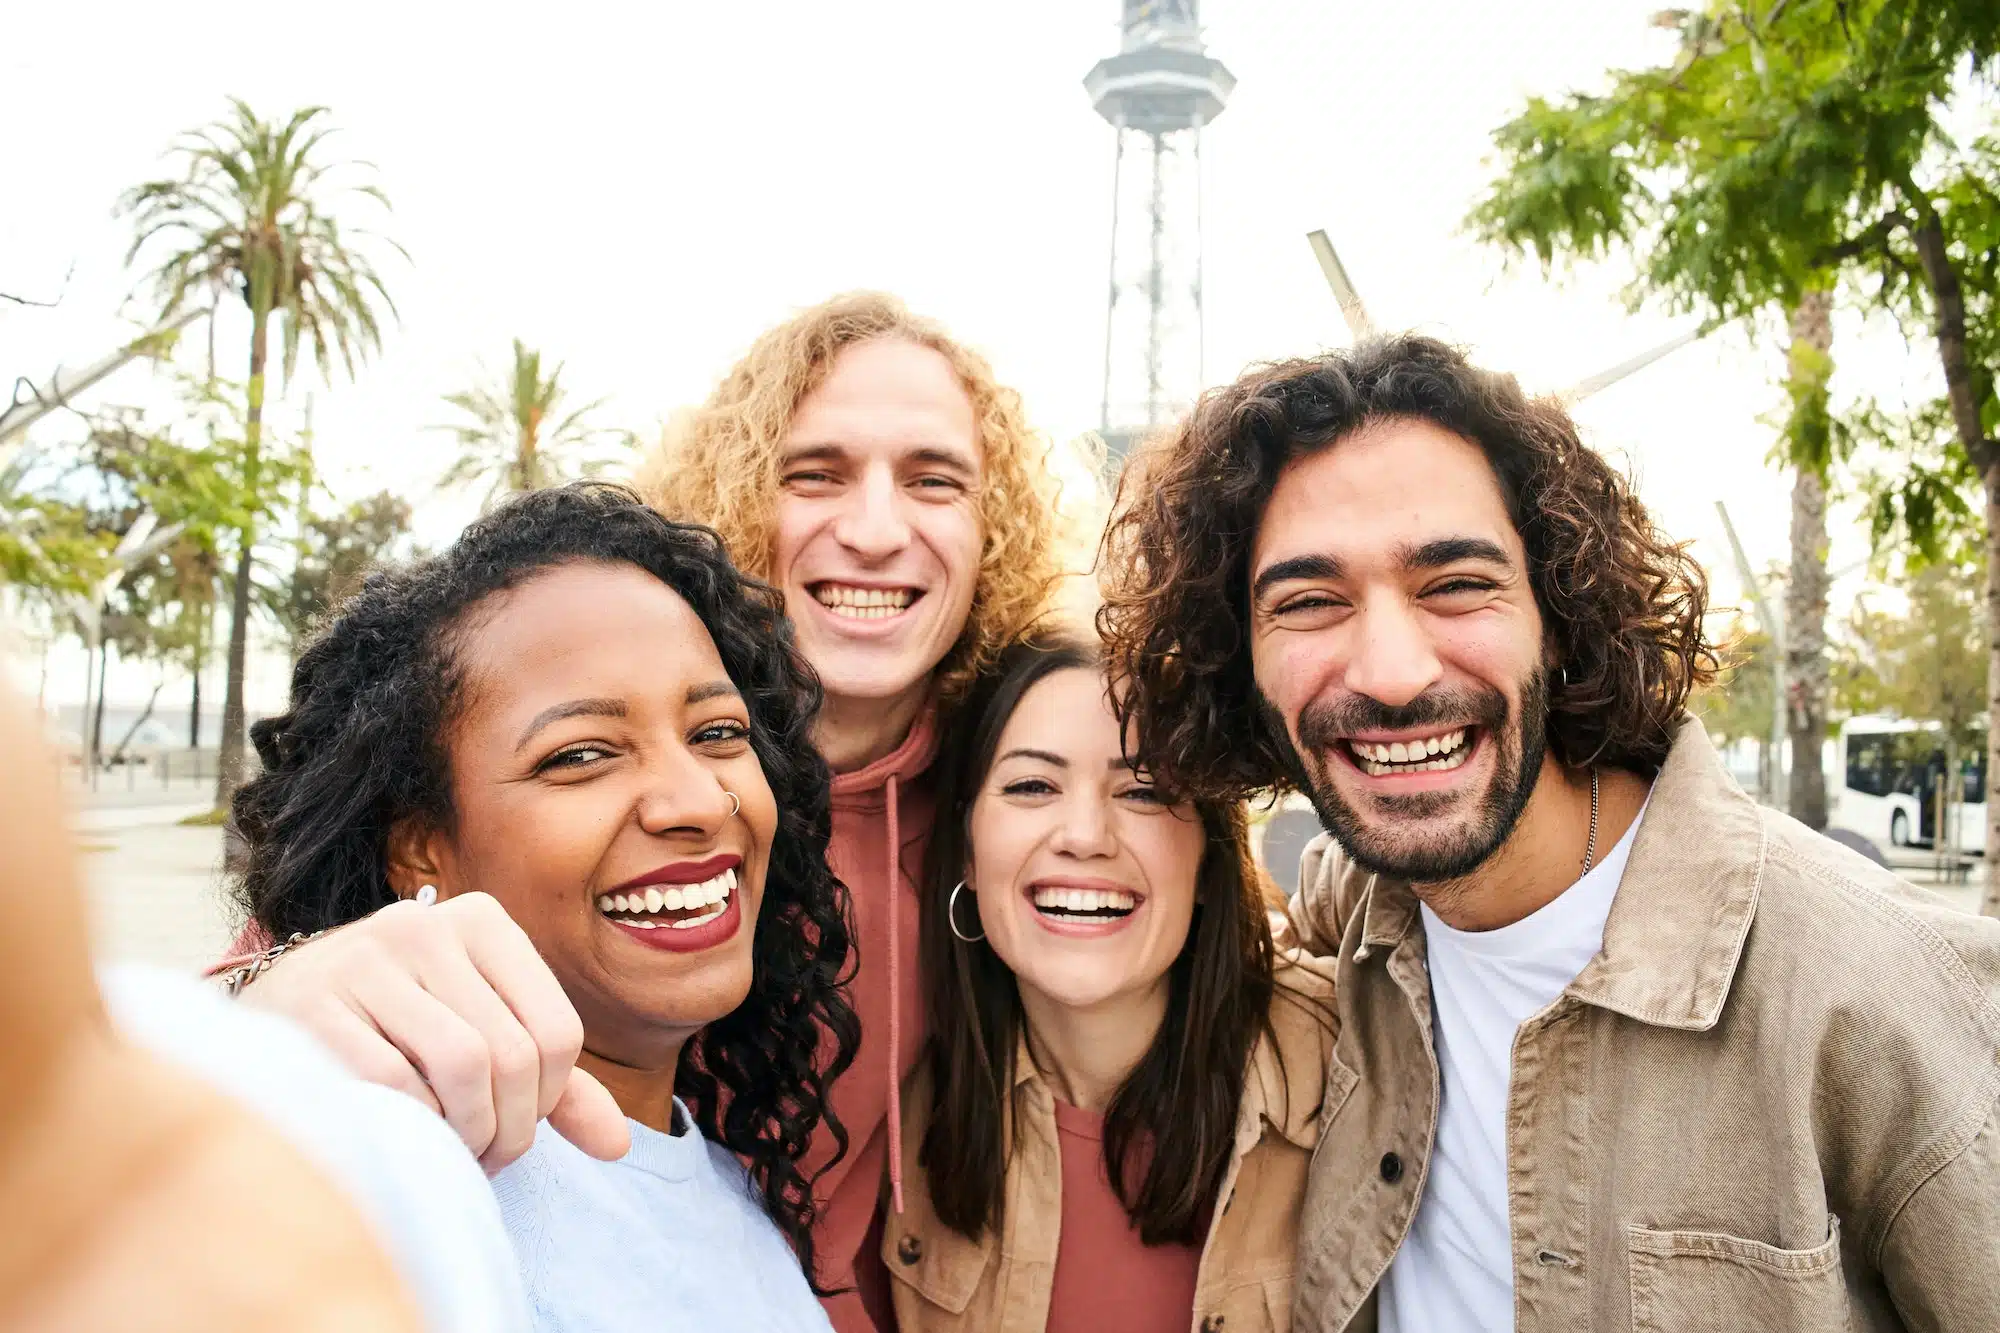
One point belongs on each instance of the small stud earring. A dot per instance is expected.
(426, 896)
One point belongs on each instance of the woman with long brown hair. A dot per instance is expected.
(1121, 1088)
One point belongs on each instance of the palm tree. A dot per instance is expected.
(513, 439)
(249, 215)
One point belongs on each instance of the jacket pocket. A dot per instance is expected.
(1261, 1305)
(1709, 1282)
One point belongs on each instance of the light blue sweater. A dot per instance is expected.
(668, 1237)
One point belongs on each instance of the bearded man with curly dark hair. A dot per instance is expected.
(1615, 1046)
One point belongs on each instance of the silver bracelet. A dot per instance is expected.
(236, 978)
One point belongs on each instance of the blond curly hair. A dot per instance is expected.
(718, 465)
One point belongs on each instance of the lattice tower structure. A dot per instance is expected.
(1158, 94)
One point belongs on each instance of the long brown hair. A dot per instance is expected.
(1623, 604)
(1181, 1100)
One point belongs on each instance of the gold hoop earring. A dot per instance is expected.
(951, 917)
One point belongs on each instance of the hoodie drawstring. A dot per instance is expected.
(895, 883)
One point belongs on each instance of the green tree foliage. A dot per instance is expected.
(217, 494)
(516, 436)
(1737, 705)
(249, 214)
(335, 551)
(1791, 144)
(47, 546)
(1921, 655)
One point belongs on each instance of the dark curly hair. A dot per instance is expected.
(1624, 605)
(362, 747)
(1181, 1100)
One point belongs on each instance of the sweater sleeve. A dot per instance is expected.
(250, 941)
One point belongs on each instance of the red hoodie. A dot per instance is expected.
(888, 805)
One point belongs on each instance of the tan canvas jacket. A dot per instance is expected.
(947, 1283)
(1768, 1103)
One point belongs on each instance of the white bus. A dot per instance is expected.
(1894, 785)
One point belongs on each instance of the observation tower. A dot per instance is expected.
(1158, 93)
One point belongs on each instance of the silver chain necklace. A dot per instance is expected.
(1590, 849)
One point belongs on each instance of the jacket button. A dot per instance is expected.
(1212, 1324)
(1392, 1168)
(909, 1249)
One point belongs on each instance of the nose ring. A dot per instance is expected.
(735, 803)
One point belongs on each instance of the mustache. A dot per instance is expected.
(1325, 721)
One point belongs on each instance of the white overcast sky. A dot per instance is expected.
(639, 190)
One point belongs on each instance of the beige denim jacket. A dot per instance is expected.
(948, 1283)
(1768, 1103)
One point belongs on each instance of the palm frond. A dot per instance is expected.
(251, 213)
(511, 436)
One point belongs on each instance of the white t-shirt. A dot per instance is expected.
(432, 1210)
(1456, 1268)
(669, 1238)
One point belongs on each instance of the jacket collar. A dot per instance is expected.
(1684, 907)
(1288, 1069)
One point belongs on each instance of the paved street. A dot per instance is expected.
(154, 886)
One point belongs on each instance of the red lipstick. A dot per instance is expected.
(695, 938)
(682, 872)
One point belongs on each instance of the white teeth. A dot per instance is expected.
(1410, 756)
(863, 603)
(682, 897)
(1063, 901)
(1445, 761)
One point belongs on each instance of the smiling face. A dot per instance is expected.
(591, 765)
(878, 529)
(1398, 647)
(1084, 874)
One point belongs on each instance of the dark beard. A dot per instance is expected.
(1520, 745)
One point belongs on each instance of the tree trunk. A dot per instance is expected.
(125, 742)
(96, 723)
(1991, 905)
(229, 763)
(1948, 326)
(1805, 592)
(194, 708)
(524, 468)
(1949, 329)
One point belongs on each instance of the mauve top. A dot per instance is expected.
(1105, 1276)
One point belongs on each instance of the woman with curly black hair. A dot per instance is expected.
(585, 711)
